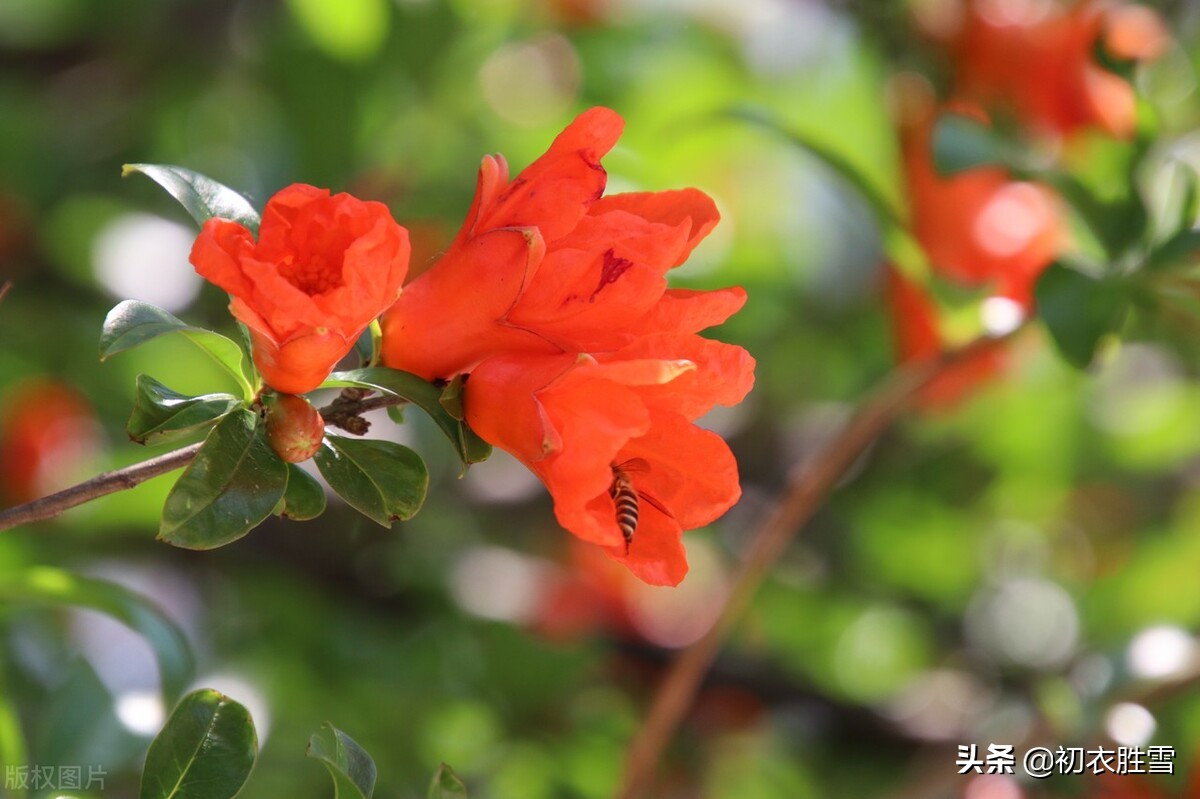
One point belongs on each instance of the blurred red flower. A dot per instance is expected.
(49, 438)
(582, 362)
(917, 338)
(1037, 61)
(322, 269)
(979, 227)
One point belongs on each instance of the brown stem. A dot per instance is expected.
(108, 483)
(807, 487)
(121, 479)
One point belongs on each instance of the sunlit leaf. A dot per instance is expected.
(1079, 310)
(202, 197)
(234, 482)
(381, 479)
(133, 322)
(161, 415)
(446, 784)
(44, 584)
(304, 498)
(352, 769)
(426, 396)
(206, 750)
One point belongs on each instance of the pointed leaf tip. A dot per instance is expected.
(446, 784)
(201, 196)
(352, 769)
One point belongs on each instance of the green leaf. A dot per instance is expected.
(961, 143)
(381, 479)
(352, 769)
(1079, 310)
(446, 784)
(235, 481)
(304, 498)
(206, 750)
(202, 197)
(161, 415)
(426, 396)
(1118, 223)
(46, 585)
(451, 398)
(1189, 201)
(132, 323)
(1180, 250)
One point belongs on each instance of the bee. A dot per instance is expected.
(626, 499)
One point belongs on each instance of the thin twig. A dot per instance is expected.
(121, 479)
(5, 287)
(108, 483)
(807, 487)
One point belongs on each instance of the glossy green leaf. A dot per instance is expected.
(161, 415)
(426, 396)
(44, 584)
(446, 784)
(133, 322)
(1078, 310)
(206, 750)
(304, 498)
(961, 143)
(234, 482)
(381, 479)
(202, 197)
(352, 769)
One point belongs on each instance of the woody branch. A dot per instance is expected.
(344, 412)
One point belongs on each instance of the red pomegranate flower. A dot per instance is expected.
(587, 424)
(582, 362)
(322, 268)
(545, 263)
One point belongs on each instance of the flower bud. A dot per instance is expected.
(294, 427)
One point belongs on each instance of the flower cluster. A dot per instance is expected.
(1036, 64)
(553, 298)
(582, 363)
